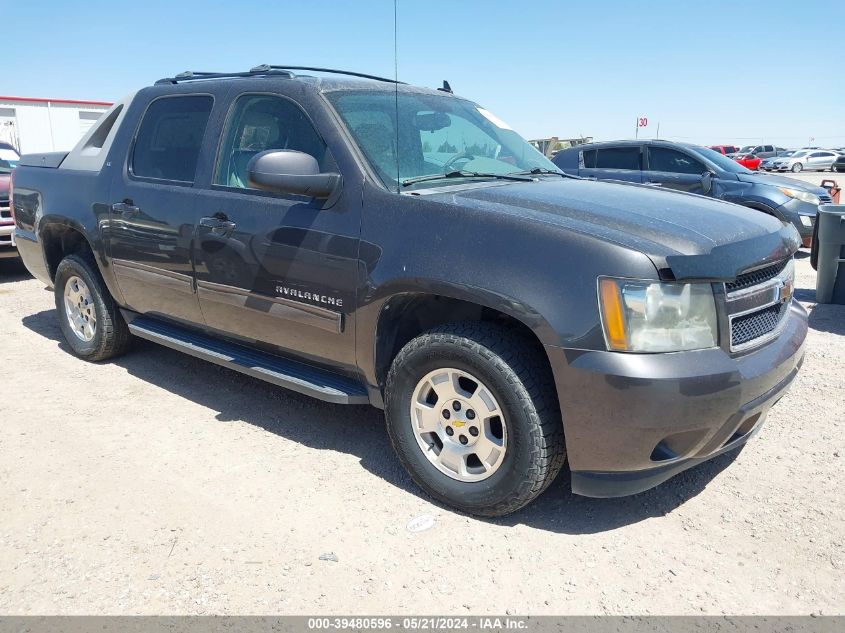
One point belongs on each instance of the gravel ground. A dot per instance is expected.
(159, 484)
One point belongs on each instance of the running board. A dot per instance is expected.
(293, 375)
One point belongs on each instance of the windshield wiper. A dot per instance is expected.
(538, 171)
(465, 174)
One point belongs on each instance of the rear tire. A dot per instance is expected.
(797, 167)
(88, 316)
(488, 365)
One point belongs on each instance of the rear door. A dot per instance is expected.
(820, 160)
(674, 169)
(276, 269)
(152, 220)
(623, 162)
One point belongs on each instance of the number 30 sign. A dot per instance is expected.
(642, 121)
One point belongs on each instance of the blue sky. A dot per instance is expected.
(705, 71)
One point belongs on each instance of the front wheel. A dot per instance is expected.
(88, 316)
(473, 416)
(797, 167)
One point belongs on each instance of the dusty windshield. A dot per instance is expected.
(436, 136)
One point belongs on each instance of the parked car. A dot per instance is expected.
(700, 170)
(839, 163)
(8, 160)
(724, 149)
(269, 223)
(768, 163)
(806, 160)
(761, 151)
(749, 161)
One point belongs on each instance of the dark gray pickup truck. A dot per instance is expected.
(363, 241)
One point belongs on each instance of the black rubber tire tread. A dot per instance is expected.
(112, 337)
(508, 354)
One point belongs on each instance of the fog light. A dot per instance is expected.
(806, 220)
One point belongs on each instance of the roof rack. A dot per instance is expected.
(334, 71)
(193, 75)
(265, 70)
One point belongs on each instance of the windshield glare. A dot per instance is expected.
(436, 135)
(722, 162)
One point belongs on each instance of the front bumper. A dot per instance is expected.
(7, 241)
(633, 421)
(793, 211)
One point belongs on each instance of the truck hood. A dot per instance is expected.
(780, 181)
(694, 236)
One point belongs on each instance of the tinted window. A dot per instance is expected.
(258, 123)
(169, 139)
(613, 158)
(673, 161)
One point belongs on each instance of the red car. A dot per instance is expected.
(749, 161)
(724, 149)
(8, 160)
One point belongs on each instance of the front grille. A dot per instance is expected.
(825, 199)
(752, 326)
(5, 213)
(759, 276)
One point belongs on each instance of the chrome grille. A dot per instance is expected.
(5, 213)
(759, 276)
(825, 199)
(758, 302)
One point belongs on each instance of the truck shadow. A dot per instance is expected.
(359, 431)
(12, 269)
(823, 317)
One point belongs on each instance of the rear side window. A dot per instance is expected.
(612, 158)
(168, 143)
(673, 161)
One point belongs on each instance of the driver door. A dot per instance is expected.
(673, 169)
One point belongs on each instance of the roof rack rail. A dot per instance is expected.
(194, 75)
(334, 71)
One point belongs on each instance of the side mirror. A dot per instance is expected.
(707, 182)
(289, 171)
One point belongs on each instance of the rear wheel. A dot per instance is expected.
(473, 416)
(797, 167)
(88, 316)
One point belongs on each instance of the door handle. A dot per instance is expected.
(219, 224)
(126, 209)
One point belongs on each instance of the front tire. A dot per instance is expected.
(797, 167)
(88, 316)
(473, 415)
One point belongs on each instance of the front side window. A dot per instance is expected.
(435, 136)
(167, 146)
(258, 123)
(672, 161)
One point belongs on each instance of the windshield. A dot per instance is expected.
(722, 162)
(437, 136)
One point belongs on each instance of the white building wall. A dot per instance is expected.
(45, 126)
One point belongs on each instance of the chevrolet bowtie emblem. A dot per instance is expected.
(785, 290)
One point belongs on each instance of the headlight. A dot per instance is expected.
(646, 316)
(804, 196)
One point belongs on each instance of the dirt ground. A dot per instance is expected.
(160, 484)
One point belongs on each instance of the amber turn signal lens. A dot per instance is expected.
(614, 323)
